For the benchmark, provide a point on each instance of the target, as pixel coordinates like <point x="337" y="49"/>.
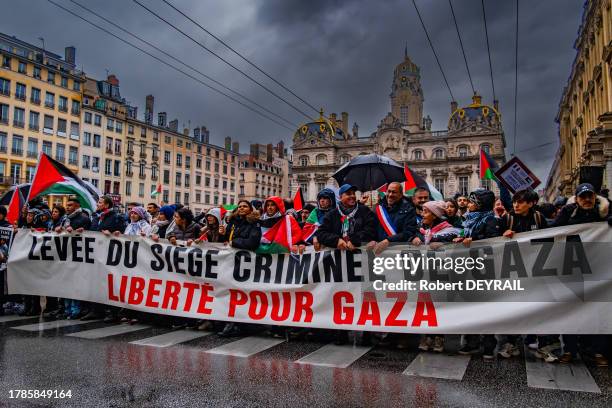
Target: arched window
<point x="438" y="153"/>
<point x="303" y="160"/>
<point x="418" y="155"/>
<point x="345" y="158"/>
<point x="321" y="160"/>
<point x="486" y="148"/>
<point x="463" y="151"/>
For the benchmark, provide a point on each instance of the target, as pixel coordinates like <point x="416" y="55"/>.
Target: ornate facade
<point x="448" y="159"/>
<point x="585" y="110"/>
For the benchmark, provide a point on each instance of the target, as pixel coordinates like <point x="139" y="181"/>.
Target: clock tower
<point x="407" y="94"/>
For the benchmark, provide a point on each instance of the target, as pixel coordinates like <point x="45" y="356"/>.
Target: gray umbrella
<point x="370" y="171"/>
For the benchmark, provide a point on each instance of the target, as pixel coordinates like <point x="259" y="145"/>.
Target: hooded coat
<point x="243" y="232"/>
<point x="572" y="214"/>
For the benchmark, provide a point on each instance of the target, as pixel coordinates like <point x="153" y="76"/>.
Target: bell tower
<point x="407" y="94"/>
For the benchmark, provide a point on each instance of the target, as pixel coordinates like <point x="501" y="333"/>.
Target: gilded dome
<point x="474" y="113"/>
<point x="321" y="127"/>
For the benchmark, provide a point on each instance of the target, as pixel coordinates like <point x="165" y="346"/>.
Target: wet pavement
<point x="151" y="366"/>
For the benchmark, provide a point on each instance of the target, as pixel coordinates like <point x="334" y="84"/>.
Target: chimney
<point x="70" y="55"/>
<point x="454" y="106"/>
<point x="149" y="101"/>
<point x="228" y="143"/>
<point x="196" y="134"/>
<point x="186" y="131"/>
<point x="174" y="125"/>
<point x="205" y="135"/>
<point x="355" y="130"/>
<point x="112" y="79"/>
<point x="255" y="150"/>
<point x="280" y="147"/>
<point x="161" y="119"/>
<point x="269" y="151"/>
<point x="344" y="122"/>
<point x="236" y="147"/>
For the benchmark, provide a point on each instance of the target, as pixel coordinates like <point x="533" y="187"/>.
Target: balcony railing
<point x="17" y="152"/>
<point x="32" y="154"/>
<point x="18" y="123"/>
<point x="20" y="96"/>
<point x="34" y="127"/>
<point x="35" y="101"/>
<point x="50" y="105"/>
<point x="62" y="108"/>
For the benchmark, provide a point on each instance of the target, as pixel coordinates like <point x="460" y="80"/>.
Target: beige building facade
<point x="264" y="172"/>
<point x="585" y="109"/>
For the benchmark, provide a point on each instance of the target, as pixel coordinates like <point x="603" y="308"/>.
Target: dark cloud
<point x="338" y="55"/>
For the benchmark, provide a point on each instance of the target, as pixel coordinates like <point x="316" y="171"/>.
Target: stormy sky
<point x="334" y="54"/>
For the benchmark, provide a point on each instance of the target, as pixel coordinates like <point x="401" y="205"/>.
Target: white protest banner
<point x="549" y="281"/>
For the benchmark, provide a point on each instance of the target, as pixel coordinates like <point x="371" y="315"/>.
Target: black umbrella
<point x="6" y="197"/>
<point x="370" y="171"/>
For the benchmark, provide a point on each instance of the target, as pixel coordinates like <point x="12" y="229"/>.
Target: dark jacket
<point x="403" y="218"/>
<point x="110" y="220"/>
<point x="488" y="229"/>
<point x="362" y="232"/>
<point x="534" y="220"/>
<point x="456" y="221"/>
<point x="78" y="219"/>
<point x="572" y="214"/>
<point x="246" y="232"/>
<point x="192" y="231"/>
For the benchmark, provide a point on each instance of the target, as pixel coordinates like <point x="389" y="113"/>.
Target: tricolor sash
<point x="385" y="220"/>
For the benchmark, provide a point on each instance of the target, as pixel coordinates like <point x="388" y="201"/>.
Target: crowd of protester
<point x="340" y="221"/>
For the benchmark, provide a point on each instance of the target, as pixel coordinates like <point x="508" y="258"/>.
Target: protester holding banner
<point x="350" y="225"/>
<point x="523" y="217"/>
<point x="57" y="216"/>
<point x="76" y="219"/>
<point x="584" y="207"/>
<point x="499" y="208"/>
<point x="106" y="219"/>
<point x="304" y="214"/>
<point x="162" y="222"/>
<point x="280" y="231"/>
<point x="153" y="210"/>
<point x="326" y="201"/>
<point x="3" y="221"/>
<point x="242" y="230"/>
<point x="480" y="223"/>
<point x="186" y="228"/>
<point x="210" y="232"/>
<point x="396" y="219"/>
<point x="435" y="229"/>
<point x="138" y="223"/>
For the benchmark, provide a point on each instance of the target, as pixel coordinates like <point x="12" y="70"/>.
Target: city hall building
<point x="448" y="159"/>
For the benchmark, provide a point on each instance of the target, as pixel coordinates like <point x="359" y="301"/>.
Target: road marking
<point x="554" y="376"/>
<point x="246" y="347"/>
<point x="438" y="365"/>
<point x="171" y="338"/>
<point x="4" y="319"/>
<point x="108" y="331"/>
<point x="332" y="355"/>
<point x="56" y="324"/>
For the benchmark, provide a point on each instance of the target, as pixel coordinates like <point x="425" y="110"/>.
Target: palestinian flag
<point x="50" y="172"/>
<point x="225" y="208"/>
<point x="65" y="188"/>
<point x="157" y="191"/>
<point x="281" y="236"/>
<point x="488" y="167"/>
<point x="298" y="200"/>
<point x="15" y="205"/>
<point x="382" y="190"/>
<point x="311" y="225"/>
<point x="414" y="181"/>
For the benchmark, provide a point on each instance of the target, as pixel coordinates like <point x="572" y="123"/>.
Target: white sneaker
<point x="438" y="344"/>
<point x="533" y="346"/>
<point x="425" y="343"/>
<point x="509" y="350"/>
<point x="547" y="353"/>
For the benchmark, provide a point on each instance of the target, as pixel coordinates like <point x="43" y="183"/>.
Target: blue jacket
<point x="403" y="218"/>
